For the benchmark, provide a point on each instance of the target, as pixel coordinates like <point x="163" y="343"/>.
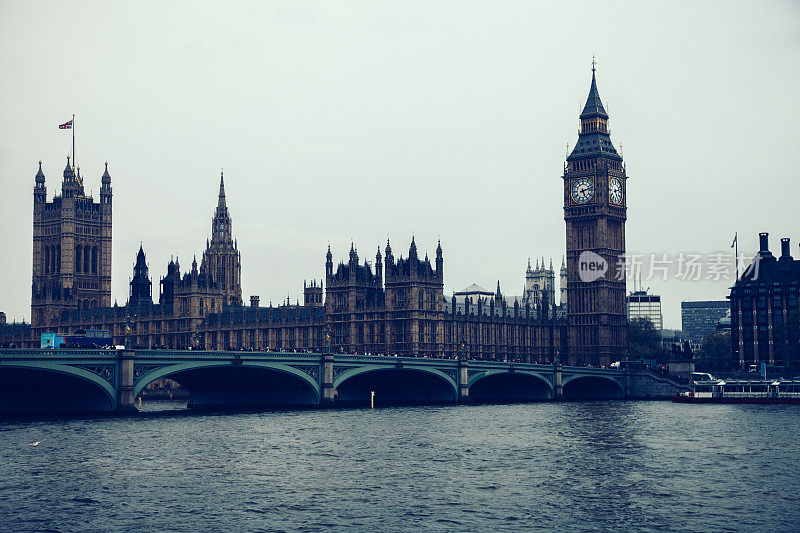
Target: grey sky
<point x="340" y="120"/>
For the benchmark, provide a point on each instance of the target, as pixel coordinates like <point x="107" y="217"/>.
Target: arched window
<point x="86" y="257"/>
<point x="86" y="304"/>
<point x="58" y="257"/>
<point x="78" y="258"/>
<point x="94" y="304"/>
<point x="46" y="259"/>
<point x="94" y="260"/>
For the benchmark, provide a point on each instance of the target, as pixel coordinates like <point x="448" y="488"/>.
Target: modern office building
<point x="699" y="319"/>
<point x="644" y="305"/>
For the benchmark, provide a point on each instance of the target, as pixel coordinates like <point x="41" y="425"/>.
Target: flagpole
<point x="736" y="241"/>
<point x="74" y="164"/>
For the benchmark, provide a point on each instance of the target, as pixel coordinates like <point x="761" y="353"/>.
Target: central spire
<point x="594" y="106"/>
<point x="221" y="202"/>
<point x="594" y="136"/>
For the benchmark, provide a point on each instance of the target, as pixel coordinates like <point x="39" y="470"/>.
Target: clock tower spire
<point x="595" y="214"/>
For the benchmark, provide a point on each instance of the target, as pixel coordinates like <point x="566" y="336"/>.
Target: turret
<point x="379" y="266"/>
<point x="412" y="250"/>
<point x="168" y="283"/>
<point x="388" y="260"/>
<point x="69" y="186"/>
<point x="39" y="190"/>
<point x="140" y="285"/>
<point x="329" y="264"/>
<point x="353" y="255"/>
<point x="439" y="261"/>
<point x="105" y="187"/>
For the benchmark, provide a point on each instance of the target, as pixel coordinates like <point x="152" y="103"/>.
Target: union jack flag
<point x="65" y="126"/>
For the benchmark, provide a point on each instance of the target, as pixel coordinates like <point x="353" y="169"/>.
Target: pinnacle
<point x="594" y="106"/>
<point x="221" y="202"/>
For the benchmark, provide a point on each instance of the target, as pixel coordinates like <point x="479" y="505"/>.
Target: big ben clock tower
<point x="595" y="213"/>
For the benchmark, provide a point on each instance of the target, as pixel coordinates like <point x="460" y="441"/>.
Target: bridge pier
<point x="463" y="381"/>
<point x="558" y="388"/>
<point x="628" y="384"/>
<point x="125" y="402"/>
<point x="328" y="392"/>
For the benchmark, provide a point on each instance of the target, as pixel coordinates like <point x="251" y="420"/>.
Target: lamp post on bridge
<point x="127" y="340"/>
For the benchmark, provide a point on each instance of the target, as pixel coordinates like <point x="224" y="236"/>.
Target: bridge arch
<point x="505" y="386"/>
<point x="592" y="387"/>
<point x="249" y="384"/>
<point x="406" y="384"/>
<point x="54" y="387"/>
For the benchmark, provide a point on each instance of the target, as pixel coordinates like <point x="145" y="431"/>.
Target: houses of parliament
<point x="394" y="305"/>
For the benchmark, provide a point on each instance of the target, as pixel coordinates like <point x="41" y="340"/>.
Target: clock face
<point x="615" y="191"/>
<point x="582" y="190"/>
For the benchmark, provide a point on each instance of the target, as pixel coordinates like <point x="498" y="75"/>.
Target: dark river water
<point x="584" y="466"/>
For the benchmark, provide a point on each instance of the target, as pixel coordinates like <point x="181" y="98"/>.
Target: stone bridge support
<point x="125" y="402"/>
<point x="328" y="392"/>
<point x="463" y="381"/>
<point x="558" y="388"/>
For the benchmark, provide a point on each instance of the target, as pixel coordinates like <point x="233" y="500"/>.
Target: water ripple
<point x="590" y="466"/>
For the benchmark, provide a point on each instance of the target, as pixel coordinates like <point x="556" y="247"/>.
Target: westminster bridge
<point x="111" y="380"/>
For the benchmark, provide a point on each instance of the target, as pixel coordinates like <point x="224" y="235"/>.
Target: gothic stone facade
<point x="397" y="308"/>
<point x="595" y="213"/>
<point x="71" y="248"/>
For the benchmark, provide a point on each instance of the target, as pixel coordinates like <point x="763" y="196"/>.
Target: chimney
<point x="785" y="255"/>
<point x="764" y="240"/>
<point x="254" y="301"/>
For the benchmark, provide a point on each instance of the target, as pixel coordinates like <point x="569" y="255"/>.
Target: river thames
<point x="590" y="466"/>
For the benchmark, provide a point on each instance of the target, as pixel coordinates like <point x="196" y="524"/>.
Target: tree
<point x="644" y="340"/>
<point x="715" y="352"/>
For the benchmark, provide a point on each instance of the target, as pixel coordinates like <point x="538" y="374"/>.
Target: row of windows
<point x="86" y="259"/>
<point x="593" y="126"/>
<point x="83" y="230"/>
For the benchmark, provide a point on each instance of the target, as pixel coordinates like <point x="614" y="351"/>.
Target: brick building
<point x="764" y="309"/>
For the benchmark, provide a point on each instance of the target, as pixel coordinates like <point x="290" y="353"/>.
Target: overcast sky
<point x="361" y="120"/>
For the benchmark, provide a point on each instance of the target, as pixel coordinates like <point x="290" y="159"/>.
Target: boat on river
<point x="741" y="391"/>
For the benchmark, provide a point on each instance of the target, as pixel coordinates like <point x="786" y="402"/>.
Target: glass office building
<point x="643" y="305"/>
